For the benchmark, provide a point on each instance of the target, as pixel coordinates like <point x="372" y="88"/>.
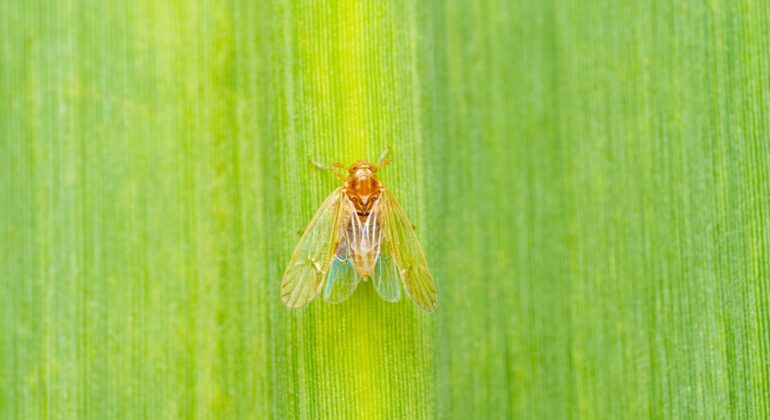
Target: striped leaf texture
<point x="589" y="180"/>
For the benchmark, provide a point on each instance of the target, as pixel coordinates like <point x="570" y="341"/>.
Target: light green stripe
<point x="349" y="100"/>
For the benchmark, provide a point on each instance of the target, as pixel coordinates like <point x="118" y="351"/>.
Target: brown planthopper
<point x="360" y="232"/>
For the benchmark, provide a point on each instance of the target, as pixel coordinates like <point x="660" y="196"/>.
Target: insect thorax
<point x="363" y="189"/>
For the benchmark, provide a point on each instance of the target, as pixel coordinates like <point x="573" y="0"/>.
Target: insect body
<point x="359" y="233"/>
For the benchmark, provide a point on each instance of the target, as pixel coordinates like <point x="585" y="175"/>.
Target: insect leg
<point x="382" y="162"/>
<point x="329" y="168"/>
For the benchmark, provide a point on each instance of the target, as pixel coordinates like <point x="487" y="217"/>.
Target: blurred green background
<point x="589" y="179"/>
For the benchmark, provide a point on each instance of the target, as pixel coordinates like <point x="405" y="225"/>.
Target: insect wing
<point x="387" y="277"/>
<point x="343" y="277"/>
<point x="364" y="238"/>
<point x="405" y="249"/>
<point x="310" y="263"/>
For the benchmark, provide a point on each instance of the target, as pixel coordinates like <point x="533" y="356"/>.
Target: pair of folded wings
<point x="315" y="266"/>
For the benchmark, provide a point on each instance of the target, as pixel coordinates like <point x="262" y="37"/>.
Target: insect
<point x="360" y="232"/>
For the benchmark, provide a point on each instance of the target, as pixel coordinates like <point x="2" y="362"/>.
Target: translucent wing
<point x="364" y="239"/>
<point x="405" y="249"/>
<point x="309" y="265"/>
<point x="387" y="277"/>
<point x="343" y="277"/>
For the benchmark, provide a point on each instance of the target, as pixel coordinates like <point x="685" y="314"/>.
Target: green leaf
<point x="588" y="179"/>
